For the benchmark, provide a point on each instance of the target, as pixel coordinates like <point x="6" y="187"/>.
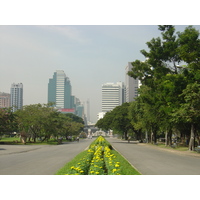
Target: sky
<point x="90" y="56"/>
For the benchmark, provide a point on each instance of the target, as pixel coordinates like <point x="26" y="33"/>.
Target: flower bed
<point x="99" y="159"/>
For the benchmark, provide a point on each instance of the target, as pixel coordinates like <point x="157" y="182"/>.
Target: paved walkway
<point x="152" y="160"/>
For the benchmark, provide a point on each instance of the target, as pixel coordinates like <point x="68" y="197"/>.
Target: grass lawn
<point x="16" y="141"/>
<point x="179" y="148"/>
<point x="67" y="166"/>
<point x="126" y="168"/>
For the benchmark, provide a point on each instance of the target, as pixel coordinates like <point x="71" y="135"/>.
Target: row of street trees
<point x="169" y="98"/>
<point x="40" y="121"/>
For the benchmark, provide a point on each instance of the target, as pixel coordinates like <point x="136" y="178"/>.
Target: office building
<point x="60" y="93"/>
<point x="131" y="85"/>
<point x="16" y="96"/>
<point x="112" y="95"/>
<point x="80" y="111"/>
<point x="59" y="90"/>
<point x="100" y="115"/>
<point x="4" y="100"/>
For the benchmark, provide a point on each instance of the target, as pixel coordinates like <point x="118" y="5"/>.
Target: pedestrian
<point x="77" y="139"/>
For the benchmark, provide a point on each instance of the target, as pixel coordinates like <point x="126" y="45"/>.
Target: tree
<point x="75" y="118"/>
<point x="189" y="46"/>
<point x="136" y="116"/>
<point x="190" y="110"/>
<point x="162" y="81"/>
<point x="7" y="121"/>
<point x="116" y="119"/>
<point x="105" y="123"/>
<point x="39" y="120"/>
<point x="121" y="121"/>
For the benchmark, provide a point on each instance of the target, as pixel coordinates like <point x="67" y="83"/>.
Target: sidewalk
<point x="153" y="160"/>
<point x="188" y="153"/>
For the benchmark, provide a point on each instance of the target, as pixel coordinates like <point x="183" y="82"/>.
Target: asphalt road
<point x="48" y="159"/>
<point x="38" y="159"/>
<point x="156" y="161"/>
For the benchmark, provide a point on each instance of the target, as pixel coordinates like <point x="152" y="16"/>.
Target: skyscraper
<point x="59" y="90"/>
<point x="112" y="95"/>
<point x="16" y="96"/>
<point x="131" y="85"/>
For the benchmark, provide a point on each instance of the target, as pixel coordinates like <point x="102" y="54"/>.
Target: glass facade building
<point x="59" y="90"/>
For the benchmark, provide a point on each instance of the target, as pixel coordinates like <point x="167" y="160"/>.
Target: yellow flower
<point x="116" y="165"/>
<point x="114" y="170"/>
<point x="97" y="172"/>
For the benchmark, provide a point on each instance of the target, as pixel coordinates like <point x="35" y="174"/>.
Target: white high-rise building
<point x="60" y="88"/>
<point x="131" y="84"/>
<point x="112" y="95"/>
<point x="100" y="115"/>
<point x="16" y="96"/>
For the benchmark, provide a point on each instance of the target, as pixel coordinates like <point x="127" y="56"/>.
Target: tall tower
<point x="112" y="95"/>
<point x="131" y="85"/>
<point x="16" y="96"/>
<point x="59" y="90"/>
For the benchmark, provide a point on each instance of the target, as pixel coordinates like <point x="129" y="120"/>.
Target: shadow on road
<point x="2" y="149"/>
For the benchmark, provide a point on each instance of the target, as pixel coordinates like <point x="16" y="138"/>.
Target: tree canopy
<point x="39" y="121"/>
<point x="168" y="101"/>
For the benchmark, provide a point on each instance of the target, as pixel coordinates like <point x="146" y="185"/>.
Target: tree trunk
<point x="170" y="138"/>
<point x="166" y="138"/>
<point x="140" y="135"/>
<point x="44" y="139"/>
<point x="146" y="136"/>
<point x="192" y="138"/>
<point x="23" y="139"/>
<point x="154" y="137"/>
<point x="198" y="140"/>
<point x="151" y="137"/>
<point x="34" y="139"/>
<point x="182" y="138"/>
<point x="125" y="135"/>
